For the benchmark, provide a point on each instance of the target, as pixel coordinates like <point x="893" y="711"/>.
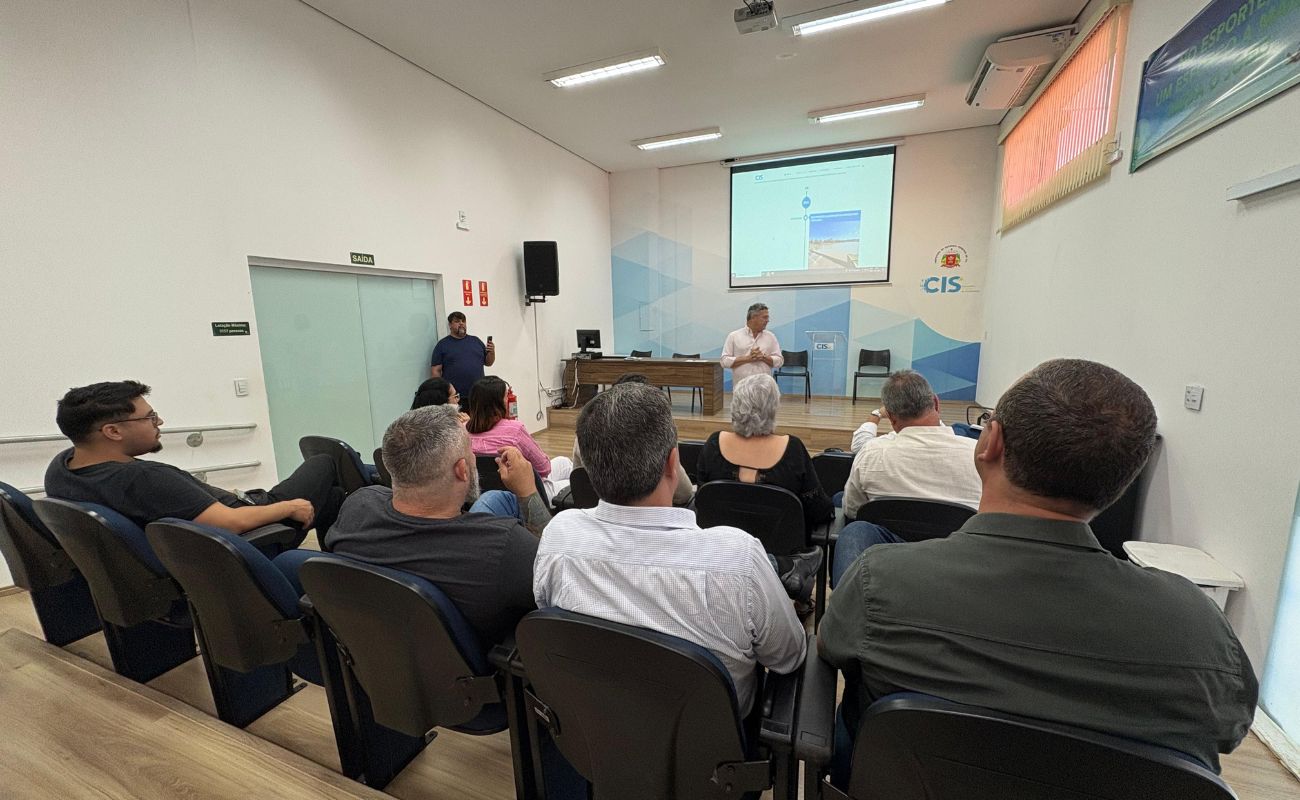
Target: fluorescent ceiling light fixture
<point x="674" y="139"/>
<point x="607" y="68"/>
<point x="867" y="109"/>
<point x="844" y="14"/>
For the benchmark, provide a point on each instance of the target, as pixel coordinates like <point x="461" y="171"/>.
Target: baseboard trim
<point x="1275" y="739"/>
<point x="8" y="590"/>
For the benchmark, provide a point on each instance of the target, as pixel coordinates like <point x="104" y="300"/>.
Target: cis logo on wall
<point x="951" y="257"/>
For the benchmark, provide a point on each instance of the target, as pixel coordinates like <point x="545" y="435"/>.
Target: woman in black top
<point x="752" y="453"/>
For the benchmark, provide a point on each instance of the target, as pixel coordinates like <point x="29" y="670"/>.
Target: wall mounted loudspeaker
<point x="541" y="270"/>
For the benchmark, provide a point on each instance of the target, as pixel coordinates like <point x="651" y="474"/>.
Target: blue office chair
<point x="643" y="715"/>
<point x="409" y="662"/>
<point x="38" y="564"/>
<point x="146" y="623"/>
<point x="917" y="747"/>
<point x="245" y="612"/>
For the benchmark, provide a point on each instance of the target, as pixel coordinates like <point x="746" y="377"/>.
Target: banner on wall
<point x="1232" y="56"/>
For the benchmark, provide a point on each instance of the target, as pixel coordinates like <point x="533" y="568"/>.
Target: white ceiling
<point x="758" y="87"/>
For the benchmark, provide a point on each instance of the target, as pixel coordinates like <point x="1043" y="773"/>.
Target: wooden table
<point x="73" y="729"/>
<point x="702" y="372"/>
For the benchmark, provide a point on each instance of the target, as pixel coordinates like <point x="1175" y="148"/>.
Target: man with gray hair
<point x="753" y="349"/>
<point x="482" y="559"/>
<point x="636" y="560"/>
<point x="922" y="457"/>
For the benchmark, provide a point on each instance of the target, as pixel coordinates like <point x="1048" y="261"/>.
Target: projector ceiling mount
<point x="756" y="16"/>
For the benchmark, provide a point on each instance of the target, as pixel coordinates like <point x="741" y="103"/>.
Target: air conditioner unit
<point x="1013" y="66"/>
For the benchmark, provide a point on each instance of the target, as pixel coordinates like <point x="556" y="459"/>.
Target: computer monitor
<point x="588" y="339"/>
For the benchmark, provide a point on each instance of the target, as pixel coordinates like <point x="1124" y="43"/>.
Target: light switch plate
<point x="1192" y="397"/>
<point x="241" y="387"/>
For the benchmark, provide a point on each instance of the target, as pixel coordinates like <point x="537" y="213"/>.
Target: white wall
<point x="152" y="146"/>
<point x="1157" y="275"/>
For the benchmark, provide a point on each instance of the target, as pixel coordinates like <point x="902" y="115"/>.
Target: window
<point x="1062" y="141"/>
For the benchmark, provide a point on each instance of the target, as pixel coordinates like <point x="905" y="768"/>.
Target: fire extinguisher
<point x="512" y="403"/>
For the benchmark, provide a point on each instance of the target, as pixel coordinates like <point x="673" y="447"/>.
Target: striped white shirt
<point x="653" y="567"/>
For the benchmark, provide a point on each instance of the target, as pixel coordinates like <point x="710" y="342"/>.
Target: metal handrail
<point x="197" y="471"/>
<point x="56" y="437"/>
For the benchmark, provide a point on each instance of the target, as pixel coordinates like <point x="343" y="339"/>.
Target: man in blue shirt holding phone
<point x="460" y="358"/>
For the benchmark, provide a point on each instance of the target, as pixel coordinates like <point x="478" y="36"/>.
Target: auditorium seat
<point x="250" y="631"/>
<point x="689" y="452"/>
<point x="795" y="365"/>
<point x="146" y="623"/>
<point x="771" y="514"/>
<point x="353" y="472"/>
<point x="871" y="364"/>
<point x="916" y="747"/>
<point x="409" y="662"/>
<point x="489" y="477"/>
<point x="643" y="715"/>
<point x="915" y="519"/>
<point x="384" y="478"/>
<point x="38" y="564"/>
<point x="583" y="494"/>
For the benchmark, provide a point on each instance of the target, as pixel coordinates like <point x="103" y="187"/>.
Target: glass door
<point x="342" y="353"/>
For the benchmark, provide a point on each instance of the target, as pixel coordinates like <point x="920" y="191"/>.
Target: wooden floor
<point x="824" y="422"/>
<point x="44" y="734"/>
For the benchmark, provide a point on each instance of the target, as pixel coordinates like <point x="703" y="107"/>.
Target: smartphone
<point x="489" y="338"/>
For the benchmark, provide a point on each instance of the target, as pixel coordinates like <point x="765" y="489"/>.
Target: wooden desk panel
<point x="73" y="729"/>
<point x="704" y="373"/>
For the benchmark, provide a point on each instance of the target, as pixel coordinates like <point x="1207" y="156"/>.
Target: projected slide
<point x="817" y="220"/>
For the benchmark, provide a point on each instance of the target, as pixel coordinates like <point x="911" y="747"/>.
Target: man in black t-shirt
<point x="482" y="559"/>
<point x="111" y="423"/>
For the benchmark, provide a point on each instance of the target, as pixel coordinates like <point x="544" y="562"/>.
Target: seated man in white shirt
<point x="636" y="560"/>
<point x="753" y="349"/>
<point x="921" y="458"/>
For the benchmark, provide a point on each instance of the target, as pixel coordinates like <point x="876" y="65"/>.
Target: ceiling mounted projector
<point x="759" y="15"/>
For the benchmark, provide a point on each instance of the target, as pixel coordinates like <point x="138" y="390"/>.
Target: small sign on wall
<point x="467" y="289"/>
<point x="363" y="258"/>
<point x="231" y="329"/>
<point x="482" y="293"/>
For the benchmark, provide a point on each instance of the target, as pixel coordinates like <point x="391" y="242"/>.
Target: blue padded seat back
<point x="23" y="505"/>
<point x="288" y="563"/>
<point x="409" y="647"/>
<point x="639" y="713"/>
<point x="247" y="609"/>
<point x="129" y="534"/>
<point x="911" y="746"/>
<point x="130" y="585"/>
<point x="36" y="561"/>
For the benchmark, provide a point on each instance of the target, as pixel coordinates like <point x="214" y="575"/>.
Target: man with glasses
<point x="111" y="423"/>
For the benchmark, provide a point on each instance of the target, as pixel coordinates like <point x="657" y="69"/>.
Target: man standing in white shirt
<point x="921" y="458"/>
<point x="752" y="350"/>
<point x="636" y="560"/>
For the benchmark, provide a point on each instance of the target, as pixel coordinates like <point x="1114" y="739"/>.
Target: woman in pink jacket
<point x="490" y="429"/>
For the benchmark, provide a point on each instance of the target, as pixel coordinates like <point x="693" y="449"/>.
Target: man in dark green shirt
<point x="1022" y="611"/>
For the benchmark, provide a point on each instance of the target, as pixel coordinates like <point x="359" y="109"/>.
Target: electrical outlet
<point x="1192" y="396"/>
<point x="462" y="222"/>
<point x="241" y="387"/>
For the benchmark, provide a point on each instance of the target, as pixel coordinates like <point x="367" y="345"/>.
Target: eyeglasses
<point x="152" y="416"/>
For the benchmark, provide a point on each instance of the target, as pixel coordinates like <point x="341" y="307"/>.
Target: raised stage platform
<point x="824" y="422"/>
